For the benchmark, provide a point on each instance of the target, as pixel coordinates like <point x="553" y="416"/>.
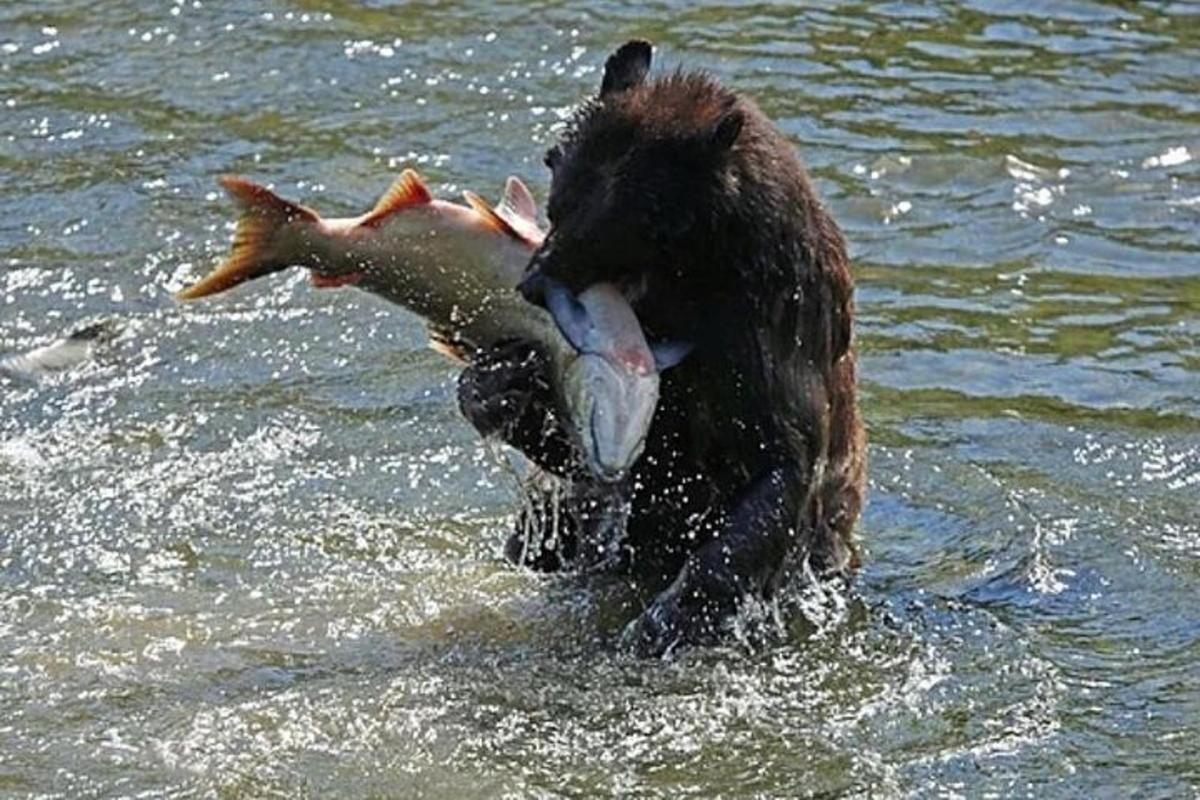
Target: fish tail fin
<point x="255" y="251"/>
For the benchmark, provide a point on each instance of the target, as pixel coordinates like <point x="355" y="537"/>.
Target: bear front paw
<point x="501" y="385"/>
<point x="685" y="614"/>
<point x="657" y="631"/>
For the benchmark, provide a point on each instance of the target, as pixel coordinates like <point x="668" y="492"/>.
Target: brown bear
<point x="687" y="197"/>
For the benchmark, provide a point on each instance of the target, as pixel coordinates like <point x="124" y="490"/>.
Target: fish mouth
<point x="599" y="468"/>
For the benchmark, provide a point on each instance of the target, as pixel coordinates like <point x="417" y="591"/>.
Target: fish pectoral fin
<point x="571" y="316"/>
<point x="670" y="352"/>
<point x="407" y="190"/>
<point x="254" y="252"/>
<point x="441" y="341"/>
<point x="489" y="216"/>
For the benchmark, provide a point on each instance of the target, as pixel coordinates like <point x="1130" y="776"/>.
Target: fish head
<point x="611" y="388"/>
<point x="600" y="321"/>
<point x="612" y="407"/>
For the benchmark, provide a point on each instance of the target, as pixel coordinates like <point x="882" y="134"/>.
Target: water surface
<point x="251" y="550"/>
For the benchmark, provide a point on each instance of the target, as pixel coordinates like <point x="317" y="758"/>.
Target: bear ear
<point x="627" y="67"/>
<point x="727" y="130"/>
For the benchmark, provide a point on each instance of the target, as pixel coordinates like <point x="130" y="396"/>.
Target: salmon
<point x="457" y="266"/>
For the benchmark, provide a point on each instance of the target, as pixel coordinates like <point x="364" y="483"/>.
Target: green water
<point x="252" y="551"/>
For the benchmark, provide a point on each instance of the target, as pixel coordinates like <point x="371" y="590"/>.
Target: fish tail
<point x="256" y="247"/>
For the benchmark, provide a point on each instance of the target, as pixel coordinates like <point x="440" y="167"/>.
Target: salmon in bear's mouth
<point x="456" y="266"/>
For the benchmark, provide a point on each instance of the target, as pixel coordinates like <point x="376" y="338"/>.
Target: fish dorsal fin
<point x="408" y="190"/>
<point x="518" y="200"/>
<point x="519" y="210"/>
<point x="490" y="217"/>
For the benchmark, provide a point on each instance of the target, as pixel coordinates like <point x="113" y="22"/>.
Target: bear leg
<point x="506" y="392"/>
<point x="743" y="559"/>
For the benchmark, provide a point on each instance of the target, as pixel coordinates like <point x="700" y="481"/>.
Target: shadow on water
<point x="248" y="548"/>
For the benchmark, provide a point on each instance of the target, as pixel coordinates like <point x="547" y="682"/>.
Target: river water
<point x="251" y="550"/>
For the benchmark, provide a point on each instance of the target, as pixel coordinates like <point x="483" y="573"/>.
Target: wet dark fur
<point x="682" y="192"/>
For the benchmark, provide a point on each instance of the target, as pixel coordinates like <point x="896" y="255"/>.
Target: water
<point x="251" y="550"/>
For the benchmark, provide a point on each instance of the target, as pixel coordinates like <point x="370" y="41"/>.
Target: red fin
<point x="490" y="217"/>
<point x="408" y="190"/>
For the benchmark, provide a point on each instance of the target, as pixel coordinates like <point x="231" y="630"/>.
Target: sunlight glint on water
<point x="250" y="549"/>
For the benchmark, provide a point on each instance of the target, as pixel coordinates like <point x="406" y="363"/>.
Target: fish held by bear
<point x="457" y="266"/>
